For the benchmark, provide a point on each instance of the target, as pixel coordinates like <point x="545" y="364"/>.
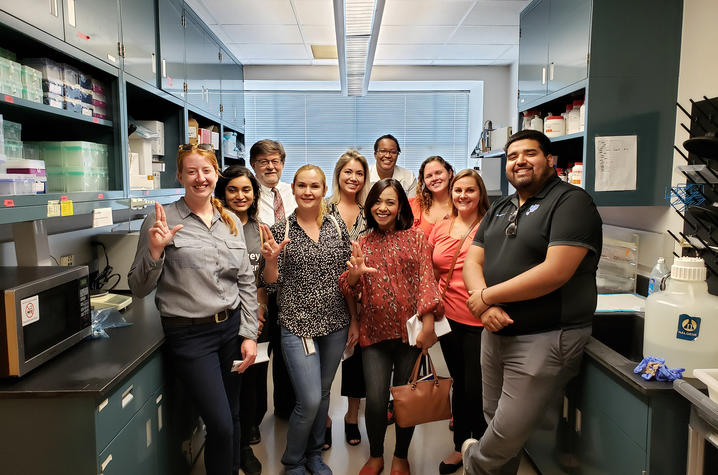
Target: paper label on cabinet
<point x="101" y="217"/>
<point x="30" y="309"/>
<point x="616" y="163"/>
<point x="53" y="208"/>
<point x="66" y="208"/>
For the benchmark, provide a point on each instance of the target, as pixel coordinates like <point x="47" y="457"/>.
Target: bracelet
<point x="482" y="297"/>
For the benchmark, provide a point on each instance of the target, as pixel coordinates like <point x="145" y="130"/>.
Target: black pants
<point x="252" y="399"/>
<point x="202" y="356"/>
<point x="353" y="375"/>
<point x="283" y="395"/>
<point x="462" y="351"/>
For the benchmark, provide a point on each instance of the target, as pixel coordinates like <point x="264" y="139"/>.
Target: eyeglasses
<point x="393" y="153"/>
<point x="264" y="163"/>
<point x="186" y="147"/>
<point x="512" y="228"/>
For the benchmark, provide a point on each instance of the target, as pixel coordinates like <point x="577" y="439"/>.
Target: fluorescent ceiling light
<point x="357" y="25"/>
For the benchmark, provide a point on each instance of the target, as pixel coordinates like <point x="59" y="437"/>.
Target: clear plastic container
<point x="50" y="70"/>
<point x="11" y="73"/>
<point x="13" y="150"/>
<point x="34" y="95"/>
<point x="27" y="167"/>
<point x="12" y="184"/>
<point x="55" y="180"/>
<point x="78" y="156"/>
<point x="70" y="76"/>
<point x="12" y="130"/>
<point x="80" y="181"/>
<point x="53" y="100"/>
<point x="659" y="273"/>
<point x="681" y="323"/>
<point x="31" y="77"/>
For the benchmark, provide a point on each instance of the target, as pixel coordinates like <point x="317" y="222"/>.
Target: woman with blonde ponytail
<point x="314" y="316"/>
<point x="192" y="253"/>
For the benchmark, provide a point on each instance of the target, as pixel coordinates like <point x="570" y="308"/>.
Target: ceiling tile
<point x="490" y="35"/>
<point x="463" y="62"/>
<point x="319" y="35"/>
<point x="271" y="52"/>
<point x="389" y="34"/>
<point x="471" y="52"/>
<point x="495" y="13"/>
<point x="315" y="12"/>
<point x="403" y="62"/>
<point x="424" y="12"/>
<point x="397" y="52"/>
<point x="263" y="33"/>
<point x="249" y="12"/>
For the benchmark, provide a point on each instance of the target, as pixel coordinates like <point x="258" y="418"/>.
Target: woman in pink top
<point x="462" y="346"/>
<point x="432" y="202"/>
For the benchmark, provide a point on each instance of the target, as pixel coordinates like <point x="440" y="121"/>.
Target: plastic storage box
<point x="13" y="150"/>
<point x="12" y="184"/>
<point x="12" y="130"/>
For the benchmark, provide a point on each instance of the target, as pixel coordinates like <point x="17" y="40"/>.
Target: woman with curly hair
<point x="432" y="202"/>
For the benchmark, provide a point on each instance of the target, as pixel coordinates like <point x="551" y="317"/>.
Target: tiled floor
<point x="431" y="442"/>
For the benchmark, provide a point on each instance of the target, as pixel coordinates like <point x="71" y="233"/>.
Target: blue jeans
<point x="203" y="355"/>
<point x="311" y="377"/>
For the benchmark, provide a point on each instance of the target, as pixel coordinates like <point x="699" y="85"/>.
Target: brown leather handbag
<point x="422" y="401"/>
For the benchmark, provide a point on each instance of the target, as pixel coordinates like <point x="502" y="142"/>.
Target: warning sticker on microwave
<point x="30" y="308"/>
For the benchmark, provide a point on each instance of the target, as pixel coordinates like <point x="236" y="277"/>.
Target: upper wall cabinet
<point x="533" y="52"/>
<point x="232" y="92"/>
<point x="553" y="47"/>
<point x="94" y="27"/>
<point x="172" y="47"/>
<point x="44" y="14"/>
<point x="139" y="43"/>
<point x="203" y="63"/>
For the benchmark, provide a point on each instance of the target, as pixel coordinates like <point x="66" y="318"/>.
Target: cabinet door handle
<point x="550" y="71"/>
<point x="148" y="431"/>
<point x="160" y="422"/>
<point x="53" y="7"/>
<point x="154" y="64"/>
<point x="104" y="464"/>
<point x="577" y="425"/>
<point x="164" y="68"/>
<point x="127" y="396"/>
<point x="71" y="12"/>
<point x="543" y="75"/>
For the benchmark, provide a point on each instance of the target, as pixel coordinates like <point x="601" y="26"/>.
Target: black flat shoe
<point x="352" y="434"/>
<point x="446" y="468"/>
<point x="327" y="438"/>
<point x="249" y="463"/>
<point x="254" y="436"/>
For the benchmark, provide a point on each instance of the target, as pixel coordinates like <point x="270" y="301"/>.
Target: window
<point x="317" y="127"/>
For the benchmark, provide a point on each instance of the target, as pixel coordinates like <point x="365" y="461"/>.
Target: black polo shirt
<point x="559" y="214"/>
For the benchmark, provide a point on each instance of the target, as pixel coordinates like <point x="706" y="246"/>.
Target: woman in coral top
<point x="432" y="202"/>
<point x="451" y="239"/>
<point x="390" y="272"/>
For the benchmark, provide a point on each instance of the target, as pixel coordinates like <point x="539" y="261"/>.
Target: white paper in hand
<point x="414" y="326"/>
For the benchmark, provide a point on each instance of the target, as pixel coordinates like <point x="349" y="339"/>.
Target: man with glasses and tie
<point x="532" y="277"/>
<point x="386" y="153"/>
<point x="276" y="202"/>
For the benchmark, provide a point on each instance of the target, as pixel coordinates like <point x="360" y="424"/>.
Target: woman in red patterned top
<point x="390" y="271"/>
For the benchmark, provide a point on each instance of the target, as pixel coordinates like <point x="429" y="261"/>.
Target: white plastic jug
<point x="681" y="322"/>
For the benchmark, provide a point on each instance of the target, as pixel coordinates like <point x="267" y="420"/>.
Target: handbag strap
<point x="456" y="254"/>
<point x="415" y="371"/>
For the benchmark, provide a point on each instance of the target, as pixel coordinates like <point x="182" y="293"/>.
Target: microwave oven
<point x="45" y="310"/>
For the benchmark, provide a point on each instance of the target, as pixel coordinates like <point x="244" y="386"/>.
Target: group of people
<point x="244" y="257"/>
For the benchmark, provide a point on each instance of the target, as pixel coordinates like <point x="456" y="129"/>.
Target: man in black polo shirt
<point x="532" y="277"/>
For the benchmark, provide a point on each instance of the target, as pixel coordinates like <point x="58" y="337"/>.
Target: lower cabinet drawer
<point x="134" y="450"/>
<point x="112" y="414"/>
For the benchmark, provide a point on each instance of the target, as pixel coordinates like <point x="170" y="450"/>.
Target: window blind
<point x="317" y="127"/>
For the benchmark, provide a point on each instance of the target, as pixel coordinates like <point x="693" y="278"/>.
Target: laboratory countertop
<point x="94" y="367"/>
<point x="622" y="367"/>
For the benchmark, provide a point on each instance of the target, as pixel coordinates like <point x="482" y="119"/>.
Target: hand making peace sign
<point x="160" y="234"/>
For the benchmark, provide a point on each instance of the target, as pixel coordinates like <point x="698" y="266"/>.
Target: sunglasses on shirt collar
<point x="512" y="228"/>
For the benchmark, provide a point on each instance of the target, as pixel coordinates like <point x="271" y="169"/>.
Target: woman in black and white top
<point x="313" y="313"/>
<point x="349" y="187"/>
<point x="239" y="191"/>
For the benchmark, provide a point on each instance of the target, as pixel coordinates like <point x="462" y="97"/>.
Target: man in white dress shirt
<point x="386" y="153"/>
<point x="267" y="160"/>
<point x="276" y="202"/>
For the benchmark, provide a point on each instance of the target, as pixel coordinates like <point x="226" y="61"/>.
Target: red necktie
<point x="278" y="206"/>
